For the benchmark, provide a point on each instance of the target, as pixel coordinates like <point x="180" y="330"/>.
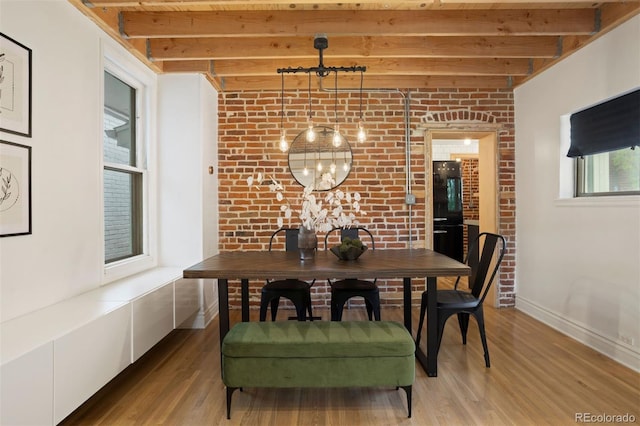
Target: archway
<point x="461" y="125"/>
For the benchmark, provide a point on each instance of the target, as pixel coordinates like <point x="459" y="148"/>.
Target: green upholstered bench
<point x="318" y="354"/>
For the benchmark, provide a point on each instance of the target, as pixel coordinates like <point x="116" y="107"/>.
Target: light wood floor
<point x="537" y="376"/>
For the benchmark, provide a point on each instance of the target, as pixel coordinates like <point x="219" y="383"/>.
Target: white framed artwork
<point x="15" y="87"/>
<point x="15" y="189"/>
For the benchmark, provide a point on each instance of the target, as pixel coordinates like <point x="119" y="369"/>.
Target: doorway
<point x="477" y="156"/>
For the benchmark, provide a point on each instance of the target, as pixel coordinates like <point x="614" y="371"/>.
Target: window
<point x="604" y="141"/>
<point x="127" y="113"/>
<point x="609" y="173"/>
<point x="123" y="172"/>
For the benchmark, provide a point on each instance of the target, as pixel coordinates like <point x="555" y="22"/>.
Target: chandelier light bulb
<point x="284" y="145"/>
<point x="319" y="166"/>
<point x="332" y="168"/>
<point x="305" y="171"/>
<point x="337" y="138"/>
<point x="311" y="134"/>
<point x="345" y="167"/>
<point x="362" y="136"/>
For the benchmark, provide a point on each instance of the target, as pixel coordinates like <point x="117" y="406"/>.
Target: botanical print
<point x="9" y="86"/>
<point x="14" y="87"/>
<point x="15" y="215"/>
<point x="9" y="188"/>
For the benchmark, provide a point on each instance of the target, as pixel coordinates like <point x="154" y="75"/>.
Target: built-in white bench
<point x="55" y="358"/>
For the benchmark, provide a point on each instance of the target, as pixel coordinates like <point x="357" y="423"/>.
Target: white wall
<point x="63" y="256"/>
<point x="578" y="261"/>
<point x="188" y="128"/>
<point x="443" y="149"/>
<point x="188" y="200"/>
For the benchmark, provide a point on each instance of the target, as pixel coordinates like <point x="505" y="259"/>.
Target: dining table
<point x="380" y="263"/>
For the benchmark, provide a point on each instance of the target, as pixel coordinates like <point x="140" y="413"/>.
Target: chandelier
<point x="320" y="42"/>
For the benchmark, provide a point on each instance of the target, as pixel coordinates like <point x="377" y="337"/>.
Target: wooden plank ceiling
<point x="239" y="45"/>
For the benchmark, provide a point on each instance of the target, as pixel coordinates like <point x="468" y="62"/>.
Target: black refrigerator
<point x="448" y="236"/>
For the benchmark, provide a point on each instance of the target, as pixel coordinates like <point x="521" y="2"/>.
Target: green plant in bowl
<point x="349" y="249"/>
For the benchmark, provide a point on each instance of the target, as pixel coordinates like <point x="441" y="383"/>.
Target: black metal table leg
<point x="223" y="307"/>
<point x="407" y="303"/>
<point x="244" y="291"/>
<point x="223" y="311"/>
<point x="432" y="329"/>
<point x="429" y="361"/>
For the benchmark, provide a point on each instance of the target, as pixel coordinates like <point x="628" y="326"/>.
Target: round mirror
<point x="315" y="152"/>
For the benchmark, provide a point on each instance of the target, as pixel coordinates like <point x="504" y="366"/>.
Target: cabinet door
<point x="152" y="319"/>
<point x="89" y="357"/>
<point x="27" y="388"/>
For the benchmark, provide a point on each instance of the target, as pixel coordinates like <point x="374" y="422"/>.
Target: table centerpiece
<point x="317" y="213"/>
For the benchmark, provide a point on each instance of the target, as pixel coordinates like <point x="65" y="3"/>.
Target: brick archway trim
<point x="460" y="115"/>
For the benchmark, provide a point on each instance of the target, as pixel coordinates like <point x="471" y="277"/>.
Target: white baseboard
<point x="210" y="313"/>
<point x="202" y="318"/>
<point x="618" y="351"/>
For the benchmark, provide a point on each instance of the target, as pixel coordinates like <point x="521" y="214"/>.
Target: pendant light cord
<point x="335" y="108"/>
<point x="282" y="105"/>
<point x="361" y="80"/>
<point x="309" y="93"/>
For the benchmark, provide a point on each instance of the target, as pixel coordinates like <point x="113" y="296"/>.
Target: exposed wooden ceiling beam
<point x="299" y="82"/>
<point x="292" y="49"/>
<point x="611" y="15"/>
<point x="375" y="66"/>
<point x="381" y="23"/>
<point x="239" y="44"/>
<point x="342" y="5"/>
<point x="244" y="3"/>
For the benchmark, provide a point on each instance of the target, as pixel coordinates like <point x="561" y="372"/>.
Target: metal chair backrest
<point x="493" y="249"/>
<point x="352" y="232"/>
<point x="291" y="238"/>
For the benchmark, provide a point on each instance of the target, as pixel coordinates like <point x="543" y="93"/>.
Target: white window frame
<point x="603" y="176"/>
<point x="131" y="71"/>
<point x="567" y="196"/>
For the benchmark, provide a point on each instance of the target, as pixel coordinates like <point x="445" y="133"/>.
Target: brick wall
<point x="470" y="189"/>
<point x="249" y="130"/>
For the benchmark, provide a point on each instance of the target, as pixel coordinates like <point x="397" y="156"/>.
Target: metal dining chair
<point x="343" y="290"/>
<point x="465" y="303"/>
<point x="297" y="291"/>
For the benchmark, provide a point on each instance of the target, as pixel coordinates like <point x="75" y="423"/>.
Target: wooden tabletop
<point x="402" y="263"/>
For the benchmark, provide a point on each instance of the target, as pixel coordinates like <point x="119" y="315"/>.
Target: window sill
<point x="604" y="201"/>
<point x="128" y="267"/>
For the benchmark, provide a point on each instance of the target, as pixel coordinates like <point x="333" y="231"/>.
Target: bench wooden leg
<point x="230" y="391"/>
<point x="407" y="389"/>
